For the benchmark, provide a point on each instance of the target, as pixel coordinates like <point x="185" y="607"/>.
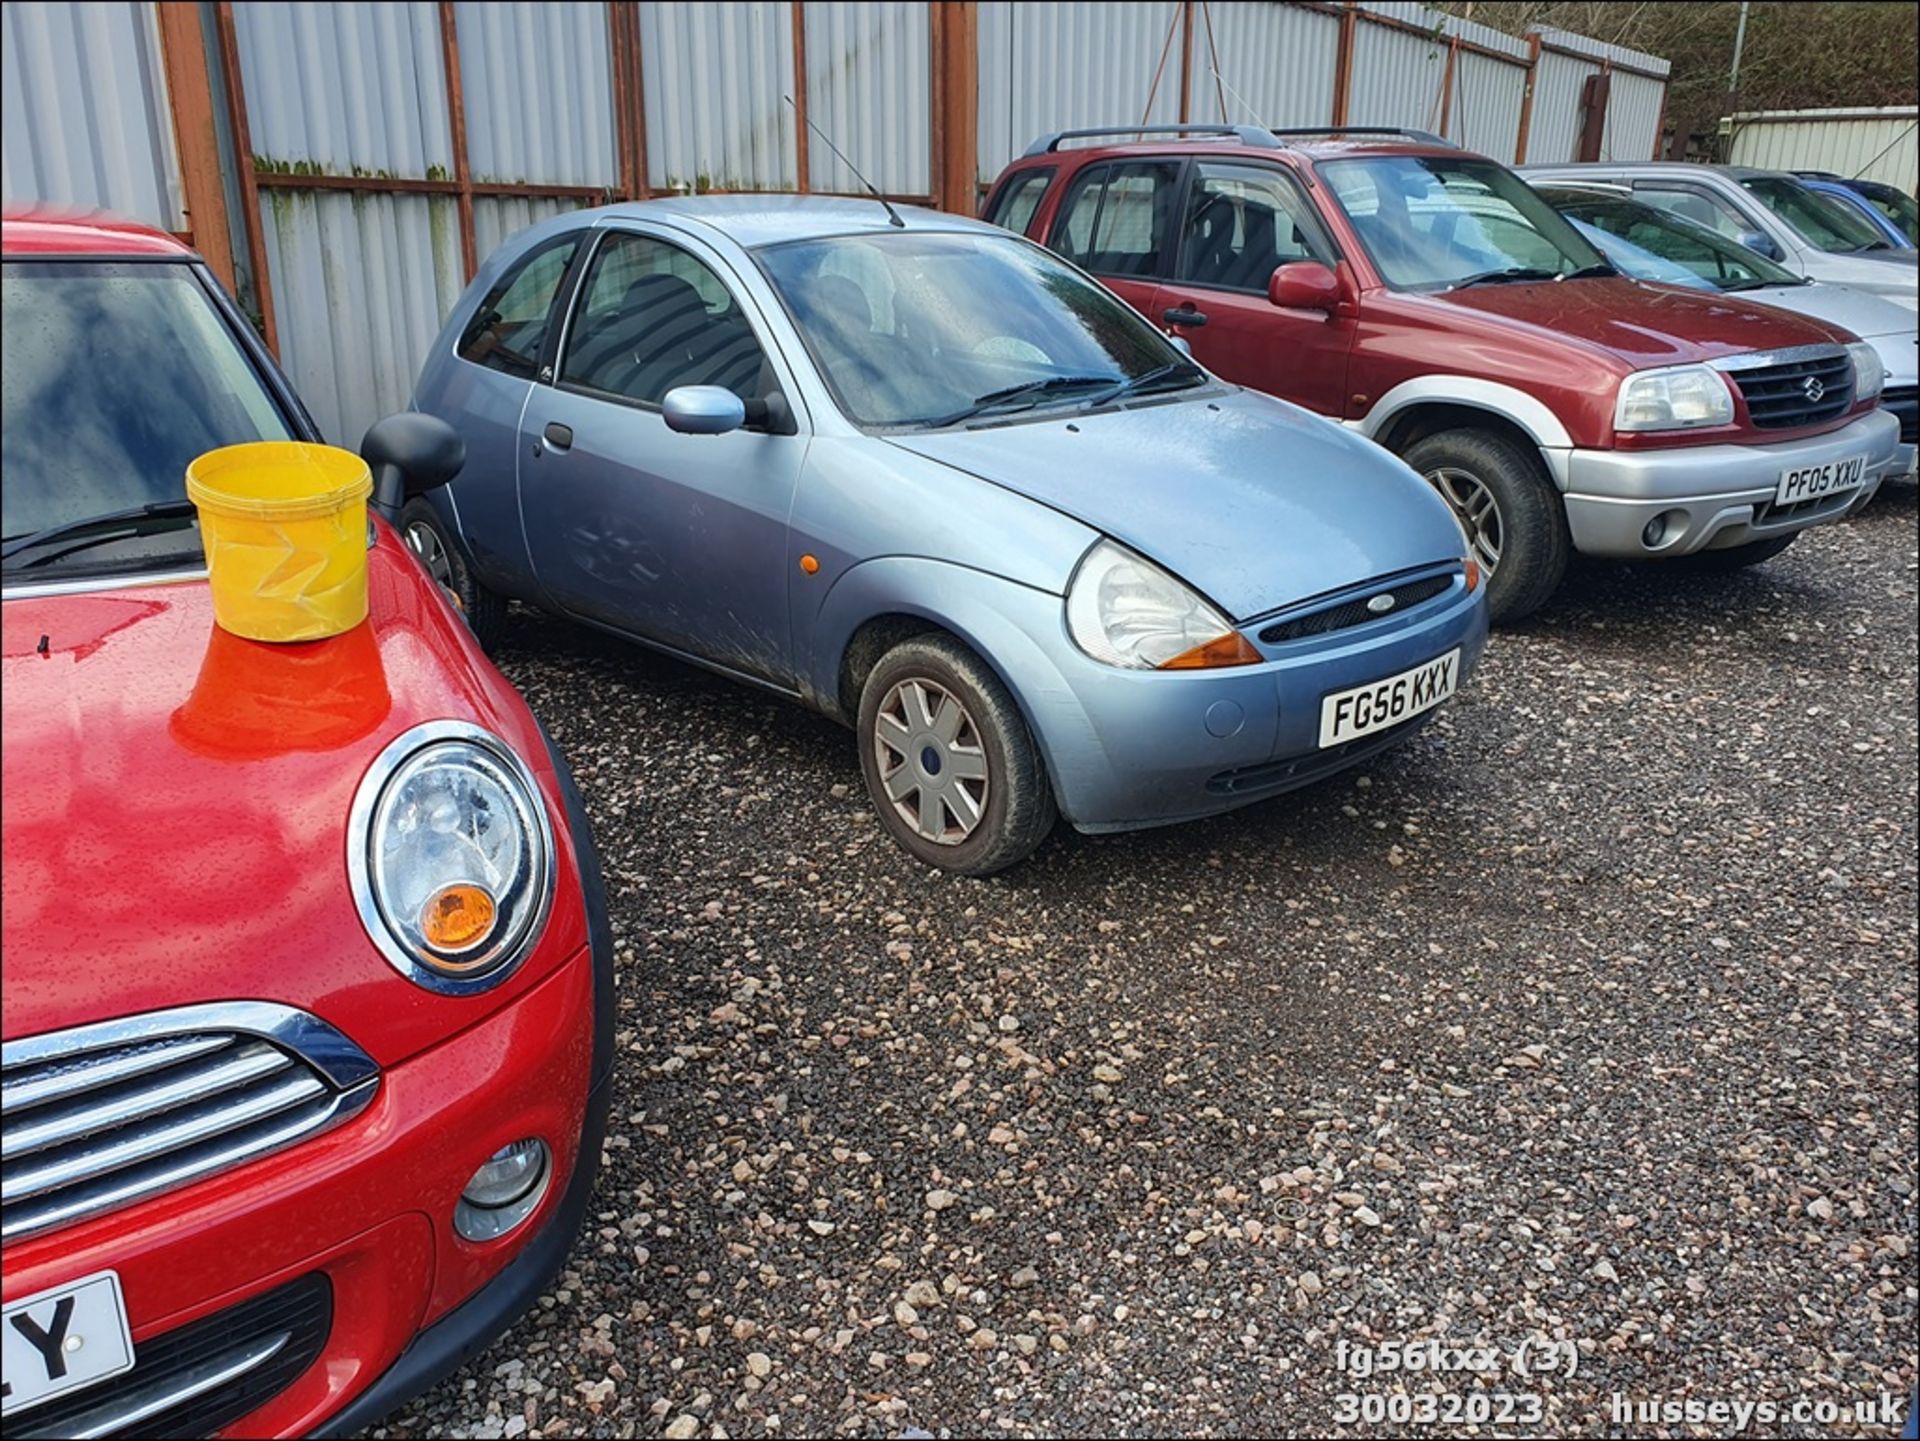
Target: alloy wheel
<point x="1475" y="508"/>
<point x="422" y="541"/>
<point x="933" y="764"/>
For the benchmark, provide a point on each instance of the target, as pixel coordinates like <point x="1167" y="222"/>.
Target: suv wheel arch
<point x="1442" y="402"/>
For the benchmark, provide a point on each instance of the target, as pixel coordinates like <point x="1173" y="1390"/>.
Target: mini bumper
<point x="1714" y="496"/>
<point x="1128" y="749"/>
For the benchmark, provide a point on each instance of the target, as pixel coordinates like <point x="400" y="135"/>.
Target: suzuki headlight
<point x="450" y="857"/>
<point x="1126" y="611"/>
<point x="1681" y="398"/>
<point x="1869" y="374"/>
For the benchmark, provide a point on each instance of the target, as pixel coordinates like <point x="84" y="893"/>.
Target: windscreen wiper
<point x="1591" y="272"/>
<point x="138" y="520"/>
<point x="1173" y="370"/>
<point x="1503" y="277"/>
<point x="994" y="399"/>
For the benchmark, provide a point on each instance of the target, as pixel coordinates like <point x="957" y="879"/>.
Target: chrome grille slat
<point x="109" y="1113"/>
<point x="143" y="1143"/>
<point x="129" y="1412"/>
<point x="125" y="1106"/>
<point x="55" y="1080"/>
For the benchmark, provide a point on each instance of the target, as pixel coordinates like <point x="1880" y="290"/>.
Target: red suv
<point x="1426" y="296"/>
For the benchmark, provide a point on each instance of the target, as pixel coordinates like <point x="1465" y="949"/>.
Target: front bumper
<point x="1129" y="749"/>
<point x="1714" y="496"/>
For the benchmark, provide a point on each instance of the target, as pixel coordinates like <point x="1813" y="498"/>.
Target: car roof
<point x="1314" y="145"/>
<point x="751" y="220"/>
<point x="45" y="231"/>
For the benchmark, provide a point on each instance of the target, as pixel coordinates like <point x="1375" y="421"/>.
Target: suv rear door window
<point x="1118" y="219"/>
<point x="509" y="330"/>
<point x="1013" y="207"/>
<point x="1243" y="223"/>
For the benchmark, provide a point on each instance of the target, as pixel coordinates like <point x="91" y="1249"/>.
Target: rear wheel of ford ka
<point x="949" y="764"/>
<point x="426" y="536"/>
<point x="1513" y="518"/>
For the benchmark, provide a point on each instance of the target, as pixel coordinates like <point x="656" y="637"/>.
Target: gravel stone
<point x="1617" y="1049"/>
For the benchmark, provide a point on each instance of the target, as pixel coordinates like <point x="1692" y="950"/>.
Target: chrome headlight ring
<point x="389" y="796"/>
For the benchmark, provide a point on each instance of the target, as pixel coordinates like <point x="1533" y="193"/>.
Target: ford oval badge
<point x="1382" y="603"/>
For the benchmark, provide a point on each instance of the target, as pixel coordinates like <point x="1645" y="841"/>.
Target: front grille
<point x="1904" y="402"/>
<point x="1406" y="596"/>
<point x="1815" y="385"/>
<point x="1773" y="513"/>
<point x="195" y="1379"/>
<point x="104" y="1115"/>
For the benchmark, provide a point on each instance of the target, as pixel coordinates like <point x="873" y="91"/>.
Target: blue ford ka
<point x="921" y="475"/>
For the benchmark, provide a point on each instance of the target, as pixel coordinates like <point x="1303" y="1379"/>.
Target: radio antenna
<point x="893" y="216"/>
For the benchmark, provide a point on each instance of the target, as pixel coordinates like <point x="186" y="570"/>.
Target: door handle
<point x="558" y="436"/>
<point x="1184" y="315"/>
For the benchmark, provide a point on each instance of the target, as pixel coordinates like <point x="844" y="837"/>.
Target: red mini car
<point x="286" y="1138"/>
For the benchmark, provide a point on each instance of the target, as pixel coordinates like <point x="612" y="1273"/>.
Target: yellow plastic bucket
<point x="284" y="526"/>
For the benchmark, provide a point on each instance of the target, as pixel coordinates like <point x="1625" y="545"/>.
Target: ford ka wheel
<point x="949" y="764"/>
<point x="440" y="556"/>
<point x="1514" y="520"/>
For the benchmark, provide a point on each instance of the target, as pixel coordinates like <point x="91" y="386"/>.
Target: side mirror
<point x="410" y="454"/>
<point x="1761" y="241"/>
<point x="1304" y="285"/>
<point x="703" y="410"/>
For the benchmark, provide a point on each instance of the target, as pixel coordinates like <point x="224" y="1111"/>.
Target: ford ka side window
<point x="651" y="317"/>
<point x="509" y="330"/>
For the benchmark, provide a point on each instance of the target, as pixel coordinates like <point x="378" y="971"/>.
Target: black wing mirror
<point x="410" y="454"/>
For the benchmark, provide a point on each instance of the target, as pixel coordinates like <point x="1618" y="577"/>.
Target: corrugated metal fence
<point x="1879" y="144"/>
<point x="364" y="156"/>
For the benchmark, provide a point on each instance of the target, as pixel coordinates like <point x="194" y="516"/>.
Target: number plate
<point x="1810" y="482"/>
<point x="62" y="1340"/>
<point x="1348" y="714"/>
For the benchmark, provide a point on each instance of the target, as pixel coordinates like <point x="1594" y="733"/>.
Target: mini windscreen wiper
<point x="994" y="399"/>
<point x="1182" y="371"/>
<point x="1503" y="277"/>
<point x="146" y="519"/>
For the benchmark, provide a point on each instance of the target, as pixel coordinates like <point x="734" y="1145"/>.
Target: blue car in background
<point x="1861" y="202"/>
<point x="926" y="477"/>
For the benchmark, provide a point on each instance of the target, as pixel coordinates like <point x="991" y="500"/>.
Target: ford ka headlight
<point x="450" y="857"/>
<point x="1869" y="374"/>
<point x="1682" y="397"/>
<point x="1124" y="610"/>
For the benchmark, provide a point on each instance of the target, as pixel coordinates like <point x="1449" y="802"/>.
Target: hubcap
<point x="933" y="766"/>
<point x="1474" y="507"/>
<point x="433" y="555"/>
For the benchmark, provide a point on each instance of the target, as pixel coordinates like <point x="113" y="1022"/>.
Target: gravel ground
<point x="1589" y="1015"/>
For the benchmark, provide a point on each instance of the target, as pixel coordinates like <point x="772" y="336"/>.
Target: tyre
<point x="949" y="764"/>
<point x="1738" y="557"/>
<point x="1511" y="513"/>
<point x="427" y="537"/>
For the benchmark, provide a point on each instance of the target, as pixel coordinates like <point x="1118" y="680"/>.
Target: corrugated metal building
<point x="1881" y="144"/>
<point x="346" y="166"/>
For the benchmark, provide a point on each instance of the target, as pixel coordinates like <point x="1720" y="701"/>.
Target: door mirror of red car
<point x="410" y="454"/>
<point x="1304" y="285"/>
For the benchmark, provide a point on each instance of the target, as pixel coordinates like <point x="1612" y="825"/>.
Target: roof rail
<point x="1246" y="134"/>
<point x="1425" y="137"/>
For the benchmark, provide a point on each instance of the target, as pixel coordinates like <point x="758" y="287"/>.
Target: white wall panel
<point x="1276" y="61"/>
<point x="538" y="84"/>
<point x="714" y="76"/>
<point x="869" y="88"/>
<point x="1879" y="145"/>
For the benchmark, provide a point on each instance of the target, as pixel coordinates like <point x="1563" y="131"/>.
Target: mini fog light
<point x="504" y="1191"/>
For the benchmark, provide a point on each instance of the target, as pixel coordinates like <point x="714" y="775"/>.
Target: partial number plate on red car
<point x="1349" y="714"/>
<point x="61" y="1340"/>
<point x="1810" y="482"/>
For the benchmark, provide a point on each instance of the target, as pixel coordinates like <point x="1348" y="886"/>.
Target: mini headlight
<point x="1126" y="611"/>
<point x="1679" y="398"/>
<point x="1869" y="373"/>
<point x="450" y="857"/>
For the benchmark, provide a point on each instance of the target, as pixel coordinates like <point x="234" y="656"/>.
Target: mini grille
<point x="1904" y="402"/>
<point x="1356" y="612"/>
<point x="1803" y="391"/>
<point x="197" y="1378"/>
<point x="102" y="1116"/>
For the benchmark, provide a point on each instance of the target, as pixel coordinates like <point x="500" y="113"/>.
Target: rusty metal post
<point x="955" y="62"/>
<point x="190" y="96"/>
<point x="1526" y="99"/>
<point x="1343" y="63"/>
<point x="1446" y="85"/>
<point x="1186" y="61"/>
<point x="629" y="99"/>
<point x="802" y="157"/>
<point x="249" y="184"/>
<point x="457" y="127"/>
